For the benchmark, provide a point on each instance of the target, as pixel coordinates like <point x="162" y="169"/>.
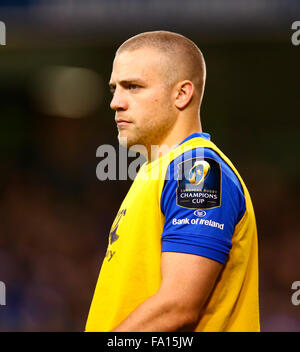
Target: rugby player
<point x="182" y="252"/>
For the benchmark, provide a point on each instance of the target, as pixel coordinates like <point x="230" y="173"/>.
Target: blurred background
<point x="55" y="215"/>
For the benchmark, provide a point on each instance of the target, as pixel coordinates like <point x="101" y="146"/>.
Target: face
<point x="142" y="98"/>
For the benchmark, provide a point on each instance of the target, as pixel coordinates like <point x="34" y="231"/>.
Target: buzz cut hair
<point x="185" y="60"/>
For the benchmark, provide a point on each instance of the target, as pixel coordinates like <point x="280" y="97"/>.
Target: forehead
<point x="144" y="63"/>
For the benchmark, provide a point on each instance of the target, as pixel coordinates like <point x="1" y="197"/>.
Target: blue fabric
<point x="202" y="231"/>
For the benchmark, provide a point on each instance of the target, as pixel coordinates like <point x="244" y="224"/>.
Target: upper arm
<point x="188" y="279"/>
<point x="197" y="235"/>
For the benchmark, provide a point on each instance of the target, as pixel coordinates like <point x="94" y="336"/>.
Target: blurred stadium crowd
<point x="54" y="223"/>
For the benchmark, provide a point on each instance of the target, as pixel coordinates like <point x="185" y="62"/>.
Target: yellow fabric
<point x="130" y="271"/>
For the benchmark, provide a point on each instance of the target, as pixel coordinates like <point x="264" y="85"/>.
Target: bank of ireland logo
<point x="200" y="213"/>
<point x="199" y="172"/>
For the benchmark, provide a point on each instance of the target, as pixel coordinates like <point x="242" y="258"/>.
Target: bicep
<point x="188" y="279"/>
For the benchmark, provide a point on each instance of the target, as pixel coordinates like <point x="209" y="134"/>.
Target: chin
<point x="123" y="140"/>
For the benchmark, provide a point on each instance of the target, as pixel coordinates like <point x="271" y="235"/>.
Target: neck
<point x="174" y="137"/>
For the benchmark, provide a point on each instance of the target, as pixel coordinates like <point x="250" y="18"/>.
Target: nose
<point x="118" y="102"/>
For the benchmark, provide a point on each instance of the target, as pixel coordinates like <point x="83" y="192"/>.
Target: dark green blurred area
<point x="55" y="215"/>
<point x="251" y="101"/>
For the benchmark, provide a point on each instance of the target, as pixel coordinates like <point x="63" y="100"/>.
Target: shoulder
<point x="202" y="201"/>
<point x="201" y="179"/>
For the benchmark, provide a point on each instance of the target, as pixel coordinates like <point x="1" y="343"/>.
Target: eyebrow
<point x="125" y="82"/>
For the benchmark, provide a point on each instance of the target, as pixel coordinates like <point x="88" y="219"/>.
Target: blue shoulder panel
<point x="202" y="201"/>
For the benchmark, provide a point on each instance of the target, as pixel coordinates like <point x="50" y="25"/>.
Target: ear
<point x="184" y="93"/>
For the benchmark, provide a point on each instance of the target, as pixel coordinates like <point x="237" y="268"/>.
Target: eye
<point x="133" y="86"/>
<point x="112" y="90"/>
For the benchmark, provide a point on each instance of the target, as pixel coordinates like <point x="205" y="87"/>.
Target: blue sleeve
<point x="202" y="202"/>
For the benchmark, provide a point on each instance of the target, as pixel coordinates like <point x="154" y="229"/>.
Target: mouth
<point x="121" y="122"/>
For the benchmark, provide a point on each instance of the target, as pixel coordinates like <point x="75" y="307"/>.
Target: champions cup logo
<point x="199" y="172"/>
<point x="198" y="183"/>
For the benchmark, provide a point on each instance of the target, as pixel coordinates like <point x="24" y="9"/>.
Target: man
<point x="182" y="253"/>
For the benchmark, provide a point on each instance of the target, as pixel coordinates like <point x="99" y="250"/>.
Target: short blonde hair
<point x="185" y="58"/>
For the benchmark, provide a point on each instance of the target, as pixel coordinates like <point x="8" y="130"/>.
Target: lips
<point x="122" y="122"/>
